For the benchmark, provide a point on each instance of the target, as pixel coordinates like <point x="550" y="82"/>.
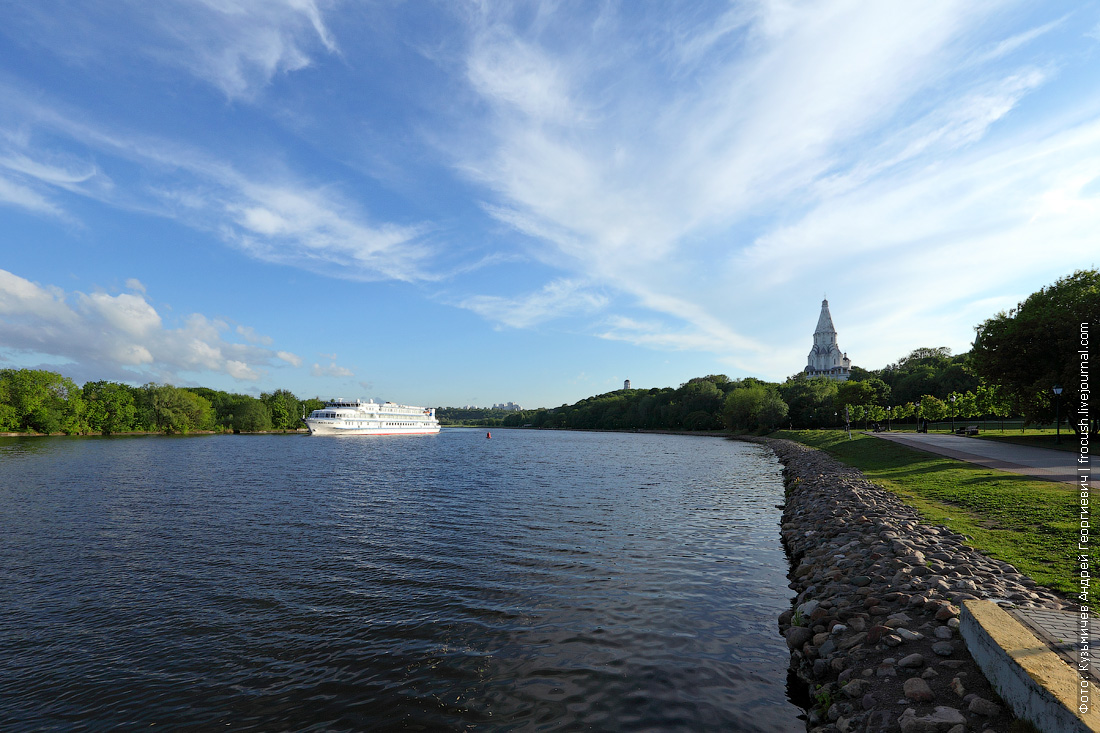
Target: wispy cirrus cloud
<point x="754" y="155"/>
<point x="237" y="46"/>
<point x="270" y="214"/>
<point x="555" y="300"/>
<point x="122" y="336"/>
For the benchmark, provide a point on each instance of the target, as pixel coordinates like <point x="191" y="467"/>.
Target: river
<point x="540" y="580"/>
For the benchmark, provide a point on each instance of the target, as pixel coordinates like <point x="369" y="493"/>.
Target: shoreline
<point x="873" y="628"/>
<point x="139" y="433"/>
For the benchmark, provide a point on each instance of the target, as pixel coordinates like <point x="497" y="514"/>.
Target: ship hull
<point x="328" y="429"/>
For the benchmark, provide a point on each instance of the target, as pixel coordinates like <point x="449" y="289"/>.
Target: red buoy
<point x="488" y="435"/>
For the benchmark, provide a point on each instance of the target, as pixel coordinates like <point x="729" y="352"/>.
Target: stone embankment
<point x="873" y="630"/>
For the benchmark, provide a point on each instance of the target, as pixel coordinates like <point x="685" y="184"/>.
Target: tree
<point x="753" y="406"/>
<point x="175" y="410"/>
<point x="855" y="393"/>
<point x="876" y="413"/>
<point x="903" y="411"/>
<point x="41" y="401"/>
<point x="251" y="415"/>
<point x="811" y="400"/>
<point x="967" y="405"/>
<point x="110" y="407"/>
<point x="932" y="408"/>
<point x="928" y="370"/>
<point x="1034" y="346"/>
<point x="284" y="407"/>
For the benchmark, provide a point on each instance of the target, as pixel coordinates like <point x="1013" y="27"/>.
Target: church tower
<point x="826" y="358"/>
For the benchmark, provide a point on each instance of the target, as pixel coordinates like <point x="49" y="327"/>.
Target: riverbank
<point x="300" y="431"/>
<point x="1025" y="521"/>
<point x="873" y="630"/>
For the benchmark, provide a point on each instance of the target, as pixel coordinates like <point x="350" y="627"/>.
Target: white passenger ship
<point x="341" y="417"/>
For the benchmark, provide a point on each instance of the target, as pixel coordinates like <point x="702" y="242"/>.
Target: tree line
<point x="1018" y="357"/>
<point x="39" y="401"/>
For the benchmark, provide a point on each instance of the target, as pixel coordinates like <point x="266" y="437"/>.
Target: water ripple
<point x="541" y="581"/>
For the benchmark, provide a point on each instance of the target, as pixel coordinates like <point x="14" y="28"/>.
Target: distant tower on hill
<point x="826" y="358"/>
<point x="626" y="384"/>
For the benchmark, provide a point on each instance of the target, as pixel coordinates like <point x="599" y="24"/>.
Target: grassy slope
<point x="1029" y="523"/>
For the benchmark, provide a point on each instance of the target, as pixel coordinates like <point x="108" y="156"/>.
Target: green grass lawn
<point x="1030" y="523"/>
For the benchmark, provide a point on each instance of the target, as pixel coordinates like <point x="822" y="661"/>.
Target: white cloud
<point x="127" y="314"/>
<point x="331" y="370"/>
<point x="250" y="335"/>
<point x="556" y="299"/>
<point x="240" y="370"/>
<point x="314" y="230"/>
<point x="117" y="336"/>
<point x="773" y="153"/>
<point x="519" y="77"/>
<point x="15" y="194"/>
<point x="270" y="215"/>
<point x="289" y="358"/>
<point x="238" y="46"/>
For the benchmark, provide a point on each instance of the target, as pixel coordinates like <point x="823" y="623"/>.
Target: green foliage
<point x="250" y="415"/>
<point x="928" y="371"/>
<point x="175" y="410"/>
<point x="33" y="400"/>
<point x="812" y="402"/>
<point x="695" y="405"/>
<point x="1029" y="523"/>
<point x="932" y="408"/>
<point x="1034" y="346"/>
<point x="869" y="391"/>
<point x="308" y="406"/>
<point x="40" y="401"/>
<point x="754" y="405"/>
<point x="284" y="408"/>
<point x="110" y="407"/>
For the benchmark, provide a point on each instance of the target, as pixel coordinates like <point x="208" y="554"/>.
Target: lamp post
<point x="953" y="398"/>
<point x="889" y="412"/>
<point x="1057" y="415"/>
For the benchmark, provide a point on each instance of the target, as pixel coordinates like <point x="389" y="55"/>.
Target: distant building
<point x="826" y="358"/>
<point x="508" y="406"/>
<point x="626" y="384"/>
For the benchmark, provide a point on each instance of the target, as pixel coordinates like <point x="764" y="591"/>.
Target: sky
<point x="453" y="203"/>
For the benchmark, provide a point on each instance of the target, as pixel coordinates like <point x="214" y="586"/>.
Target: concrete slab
<point x="1037" y="684"/>
<point x="1060" y="631"/>
<point x="1051" y="465"/>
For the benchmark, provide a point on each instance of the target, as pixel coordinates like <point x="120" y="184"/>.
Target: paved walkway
<point x="1060" y="631"/>
<point x="1052" y="465"/>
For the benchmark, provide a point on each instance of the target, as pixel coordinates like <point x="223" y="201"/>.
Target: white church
<point x="826" y="358"/>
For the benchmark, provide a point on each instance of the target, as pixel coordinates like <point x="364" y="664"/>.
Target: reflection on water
<point x="538" y="581"/>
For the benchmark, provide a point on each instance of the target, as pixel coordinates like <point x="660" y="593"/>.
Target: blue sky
<point x="476" y="202"/>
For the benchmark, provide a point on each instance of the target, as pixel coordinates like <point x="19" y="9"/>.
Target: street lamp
<point x="1057" y="416"/>
<point x="953" y="398"/>
<point x="888" y="414"/>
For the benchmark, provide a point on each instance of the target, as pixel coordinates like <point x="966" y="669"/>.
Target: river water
<point x="540" y="581"/>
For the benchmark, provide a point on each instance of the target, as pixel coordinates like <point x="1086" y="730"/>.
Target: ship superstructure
<point x="345" y="417"/>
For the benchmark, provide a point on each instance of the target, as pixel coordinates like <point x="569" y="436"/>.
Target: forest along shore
<point x="873" y="629"/>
